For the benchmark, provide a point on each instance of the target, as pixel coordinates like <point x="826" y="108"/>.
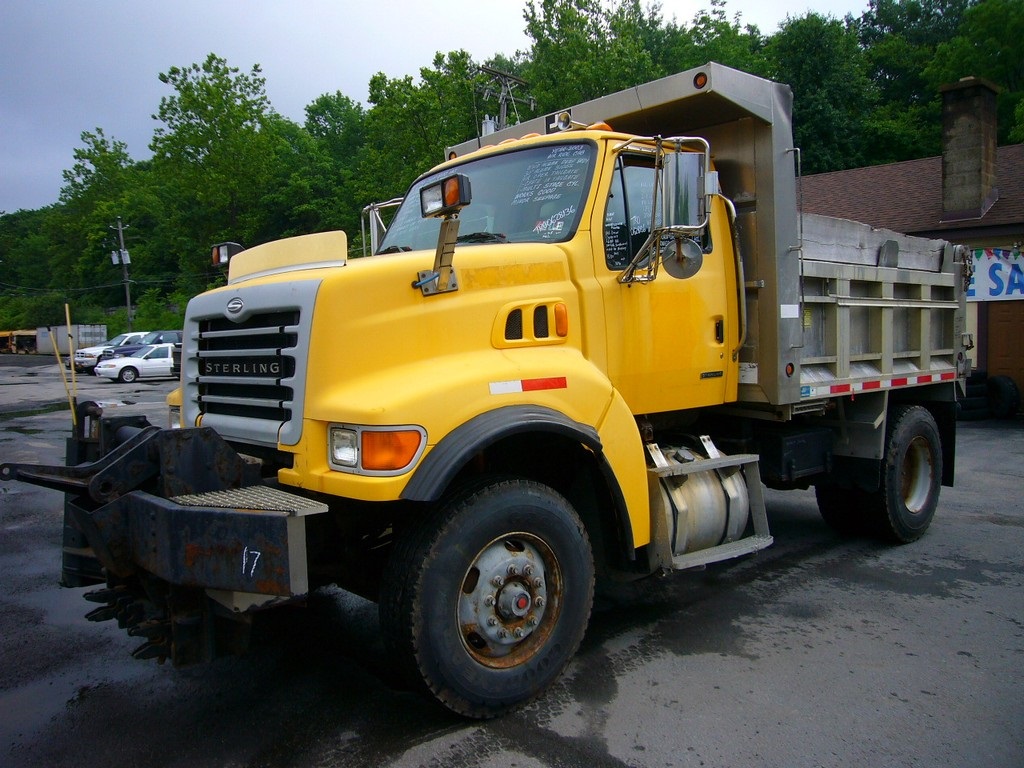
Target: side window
<point x="628" y="214"/>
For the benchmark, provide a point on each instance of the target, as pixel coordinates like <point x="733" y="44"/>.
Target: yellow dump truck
<point x="575" y="356"/>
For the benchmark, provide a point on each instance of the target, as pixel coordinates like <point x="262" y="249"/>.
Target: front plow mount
<point x="180" y="529"/>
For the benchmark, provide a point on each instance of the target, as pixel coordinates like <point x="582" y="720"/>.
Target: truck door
<point x="669" y="340"/>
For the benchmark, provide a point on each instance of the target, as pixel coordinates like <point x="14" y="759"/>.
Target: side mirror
<point x="682" y="257"/>
<point x="682" y="191"/>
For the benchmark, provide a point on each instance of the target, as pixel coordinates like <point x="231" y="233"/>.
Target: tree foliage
<point x="987" y="44"/>
<point x="820" y="59"/>
<point x="226" y="166"/>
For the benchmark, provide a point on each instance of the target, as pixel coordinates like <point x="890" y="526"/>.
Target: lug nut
<point x="538" y="582"/>
<point x="497" y="581"/>
<point x="518" y="632"/>
<point x="492" y="622"/>
<point x="489" y="601"/>
<point x="539" y="602"/>
<point x="512" y="571"/>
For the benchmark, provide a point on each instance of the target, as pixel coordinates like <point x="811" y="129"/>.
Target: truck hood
<point x="320" y="250"/>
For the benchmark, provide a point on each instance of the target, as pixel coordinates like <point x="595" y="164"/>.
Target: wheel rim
<point x="509" y="600"/>
<point x="918" y="474"/>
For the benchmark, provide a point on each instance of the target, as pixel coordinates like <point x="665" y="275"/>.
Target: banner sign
<point x="998" y="275"/>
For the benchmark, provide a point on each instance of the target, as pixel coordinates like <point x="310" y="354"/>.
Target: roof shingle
<point x="907" y="197"/>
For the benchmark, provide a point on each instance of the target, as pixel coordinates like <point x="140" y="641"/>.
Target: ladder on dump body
<point x="761" y="538"/>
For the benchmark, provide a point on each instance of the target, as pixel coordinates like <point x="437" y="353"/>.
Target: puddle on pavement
<point x="26" y="430"/>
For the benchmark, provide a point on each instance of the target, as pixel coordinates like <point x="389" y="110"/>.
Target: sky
<point x="68" y="66"/>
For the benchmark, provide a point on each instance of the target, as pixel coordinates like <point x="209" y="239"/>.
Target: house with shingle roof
<point x="971" y="195"/>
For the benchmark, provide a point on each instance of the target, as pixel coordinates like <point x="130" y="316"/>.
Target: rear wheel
<point x="486" y="601"/>
<point x="903" y="506"/>
<point x="1003" y="397"/>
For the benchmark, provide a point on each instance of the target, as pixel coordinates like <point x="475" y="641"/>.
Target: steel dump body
<point x="832" y="305"/>
<point x="879" y="310"/>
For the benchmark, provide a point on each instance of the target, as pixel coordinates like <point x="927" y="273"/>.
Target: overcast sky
<point x="68" y="66"/>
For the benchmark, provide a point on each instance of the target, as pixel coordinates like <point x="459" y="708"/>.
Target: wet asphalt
<point x="820" y="651"/>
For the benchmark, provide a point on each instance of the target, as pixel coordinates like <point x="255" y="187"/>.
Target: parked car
<point x="153" y="337"/>
<point x="87" y="357"/>
<point x="153" y="361"/>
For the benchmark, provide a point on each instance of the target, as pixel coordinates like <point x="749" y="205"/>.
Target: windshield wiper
<point x="395" y="249"/>
<point x="482" y="237"/>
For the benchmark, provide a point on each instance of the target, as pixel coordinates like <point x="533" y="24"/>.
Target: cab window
<point x="627" y="220"/>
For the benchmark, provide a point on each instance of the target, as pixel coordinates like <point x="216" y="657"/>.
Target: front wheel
<point x="127" y="375"/>
<point x="487" y="600"/>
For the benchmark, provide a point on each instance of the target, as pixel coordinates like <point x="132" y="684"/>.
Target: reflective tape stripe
<point x="527" y="385"/>
<point x="826" y="390"/>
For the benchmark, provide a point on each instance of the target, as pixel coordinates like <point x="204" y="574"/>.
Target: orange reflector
<point x="383" y="451"/>
<point x="561" y="320"/>
<point x="700" y="80"/>
<point x="451" y="191"/>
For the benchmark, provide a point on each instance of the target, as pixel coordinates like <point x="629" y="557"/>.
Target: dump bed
<point x="878" y="309"/>
<point x="831" y="304"/>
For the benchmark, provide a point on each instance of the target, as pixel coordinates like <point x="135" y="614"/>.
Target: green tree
<point x="987" y="45"/>
<point x="411" y="124"/>
<point x="96" y="192"/>
<point x="214" y="153"/>
<point x="713" y="37"/>
<point x="819" y="57"/>
<point x="581" y="51"/>
<point x="899" y="38"/>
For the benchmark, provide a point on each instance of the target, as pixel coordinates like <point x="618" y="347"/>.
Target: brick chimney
<point x="968" y="148"/>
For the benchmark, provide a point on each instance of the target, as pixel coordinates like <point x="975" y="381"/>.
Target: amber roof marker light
<point x="700" y="80"/>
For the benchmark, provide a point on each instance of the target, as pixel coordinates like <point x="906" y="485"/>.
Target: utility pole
<point x="506" y="84"/>
<point x="121" y="257"/>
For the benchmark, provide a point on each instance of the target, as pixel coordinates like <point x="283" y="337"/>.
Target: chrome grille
<point x="241" y="366"/>
<point x="244" y="359"/>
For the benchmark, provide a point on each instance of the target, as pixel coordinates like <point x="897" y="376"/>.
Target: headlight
<point x="445" y="197"/>
<point x="375" y="450"/>
<point x="344" y="447"/>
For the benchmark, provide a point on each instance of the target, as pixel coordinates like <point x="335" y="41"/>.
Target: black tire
<point x="973" y="408"/>
<point x="902" y="508"/>
<point x="487" y="600"/>
<point x="1003" y="397"/>
<point x="127" y="375"/>
<point x="843" y="509"/>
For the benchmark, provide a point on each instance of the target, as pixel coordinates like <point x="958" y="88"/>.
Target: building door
<point x="1005" y="340"/>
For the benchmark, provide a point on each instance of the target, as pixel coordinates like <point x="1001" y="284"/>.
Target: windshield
<point x="532" y="195"/>
<point x="141" y="352"/>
